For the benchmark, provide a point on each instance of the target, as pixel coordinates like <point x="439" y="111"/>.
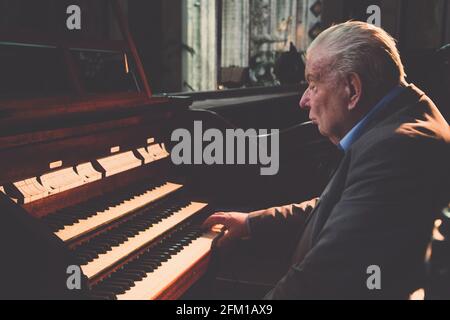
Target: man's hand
<point x="234" y="223"/>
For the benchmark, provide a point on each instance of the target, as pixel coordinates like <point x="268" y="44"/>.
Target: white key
<point x="111" y="214"/>
<point x="23" y="188"/>
<point x="35" y="183"/>
<point x="39" y="190"/>
<point x="117" y="253"/>
<point x="119" y="163"/>
<point x="165" y="152"/>
<point x="88" y="173"/>
<point x="156" y="151"/>
<point x="147" y="156"/>
<point x="61" y="180"/>
<point x="31" y="190"/>
<point x="157" y="281"/>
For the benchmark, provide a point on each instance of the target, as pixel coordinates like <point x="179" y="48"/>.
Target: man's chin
<point x="322" y="132"/>
<point x="317" y="124"/>
<point x="320" y="129"/>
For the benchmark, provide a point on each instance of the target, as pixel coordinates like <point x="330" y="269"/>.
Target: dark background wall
<point x="157" y="29"/>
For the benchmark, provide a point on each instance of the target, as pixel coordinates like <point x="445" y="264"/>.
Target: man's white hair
<point x="364" y="49"/>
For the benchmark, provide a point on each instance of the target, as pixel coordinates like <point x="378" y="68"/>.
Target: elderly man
<point x="376" y="215"/>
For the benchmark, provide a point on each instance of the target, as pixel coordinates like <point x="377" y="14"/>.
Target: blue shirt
<point x="354" y="134"/>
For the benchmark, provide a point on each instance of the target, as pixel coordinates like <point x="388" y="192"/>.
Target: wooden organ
<point x="94" y="173"/>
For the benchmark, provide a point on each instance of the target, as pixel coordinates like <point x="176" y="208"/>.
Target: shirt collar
<point x="355" y="133"/>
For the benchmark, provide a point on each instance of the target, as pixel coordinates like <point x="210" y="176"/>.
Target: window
<point x="236" y="43"/>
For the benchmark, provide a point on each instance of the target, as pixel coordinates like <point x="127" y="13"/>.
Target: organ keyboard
<point x="113" y="212"/>
<point x="136" y="241"/>
<point x="94" y="173"/>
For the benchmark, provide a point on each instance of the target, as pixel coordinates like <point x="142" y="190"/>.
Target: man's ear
<point x="354" y="87"/>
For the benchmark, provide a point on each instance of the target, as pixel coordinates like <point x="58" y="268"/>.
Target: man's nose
<point x="304" y="101"/>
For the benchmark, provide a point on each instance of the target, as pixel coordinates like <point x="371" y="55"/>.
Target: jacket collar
<point x="410" y="95"/>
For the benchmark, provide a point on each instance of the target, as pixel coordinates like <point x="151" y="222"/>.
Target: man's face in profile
<point x="326" y="97"/>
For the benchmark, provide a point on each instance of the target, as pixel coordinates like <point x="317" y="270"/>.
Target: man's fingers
<point x="215" y="219"/>
<point x="224" y="240"/>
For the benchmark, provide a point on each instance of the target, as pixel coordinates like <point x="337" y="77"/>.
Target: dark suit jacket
<point x="378" y="209"/>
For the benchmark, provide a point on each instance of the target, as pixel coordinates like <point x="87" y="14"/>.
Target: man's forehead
<point x="315" y="65"/>
<point x="313" y="70"/>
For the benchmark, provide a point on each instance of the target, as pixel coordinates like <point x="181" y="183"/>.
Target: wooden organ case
<point x="90" y="179"/>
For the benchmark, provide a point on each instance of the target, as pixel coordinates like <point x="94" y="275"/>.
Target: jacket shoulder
<point x="412" y="126"/>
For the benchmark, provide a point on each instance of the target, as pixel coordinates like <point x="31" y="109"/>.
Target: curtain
<point x="276" y="23"/>
<point x="235" y="33"/>
<point x="199" y="45"/>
